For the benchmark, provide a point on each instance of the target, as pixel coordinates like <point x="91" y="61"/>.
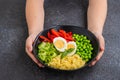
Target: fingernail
<point x="41" y="66"/>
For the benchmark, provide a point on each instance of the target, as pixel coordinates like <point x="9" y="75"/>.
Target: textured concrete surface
<point x="16" y="65"/>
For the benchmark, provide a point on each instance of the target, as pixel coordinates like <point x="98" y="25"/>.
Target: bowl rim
<point x="53" y="27"/>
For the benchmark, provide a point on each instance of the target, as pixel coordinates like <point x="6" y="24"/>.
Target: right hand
<point x="29" y="48"/>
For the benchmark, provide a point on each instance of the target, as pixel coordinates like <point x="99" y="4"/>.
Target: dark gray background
<point x="16" y="65"/>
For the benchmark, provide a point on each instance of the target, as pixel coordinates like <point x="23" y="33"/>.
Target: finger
<point x="29" y="44"/>
<point x="102" y="43"/>
<point x="97" y="58"/>
<point x="33" y="58"/>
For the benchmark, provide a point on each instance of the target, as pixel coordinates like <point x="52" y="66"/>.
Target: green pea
<point x="84" y="47"/>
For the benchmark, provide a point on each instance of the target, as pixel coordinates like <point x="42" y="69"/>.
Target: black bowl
<point x="73" y="29"/>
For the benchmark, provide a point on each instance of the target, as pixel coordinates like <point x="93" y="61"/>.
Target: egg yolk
<point x="70" y="46"/>
<point x="59" y="44"/>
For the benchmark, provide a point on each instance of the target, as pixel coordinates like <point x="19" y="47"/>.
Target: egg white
<point x="65" y="44"/>
<point x="75" y="47"/>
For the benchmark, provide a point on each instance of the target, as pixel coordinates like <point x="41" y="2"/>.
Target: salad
<point x="64" y="50"/>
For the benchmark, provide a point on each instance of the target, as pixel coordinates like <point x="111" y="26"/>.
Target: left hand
<point x="29" y="48"/>
<point x="102" y="47"/>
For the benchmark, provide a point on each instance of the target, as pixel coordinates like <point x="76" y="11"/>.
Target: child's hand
<point x="102" y="47"/>
<point x="29" y="49"/>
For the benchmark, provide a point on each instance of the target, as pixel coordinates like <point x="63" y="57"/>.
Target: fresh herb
<point x="66" y="52"/>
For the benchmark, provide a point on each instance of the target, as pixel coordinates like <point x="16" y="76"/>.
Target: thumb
<point x="29" y="44"/>
<point x="102" y="43"/>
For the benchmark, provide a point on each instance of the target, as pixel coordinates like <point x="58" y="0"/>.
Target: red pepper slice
<point x="44" y="39"/>
<point x="54" y="32"/>
<point x="52" y="37"/>
<point x="70" y="33"/>
<point x="63" y="33"/>
<point x="49" y="35"/>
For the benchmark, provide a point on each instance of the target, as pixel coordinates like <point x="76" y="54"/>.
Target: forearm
<point x="34" y="16"/>
<point x="97" y="11"/>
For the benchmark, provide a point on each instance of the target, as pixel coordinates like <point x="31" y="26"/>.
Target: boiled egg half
<point x="71" y="44"/>
<point x="60" y="44"/>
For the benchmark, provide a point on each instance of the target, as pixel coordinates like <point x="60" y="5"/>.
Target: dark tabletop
<point x="16" y="65"/>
